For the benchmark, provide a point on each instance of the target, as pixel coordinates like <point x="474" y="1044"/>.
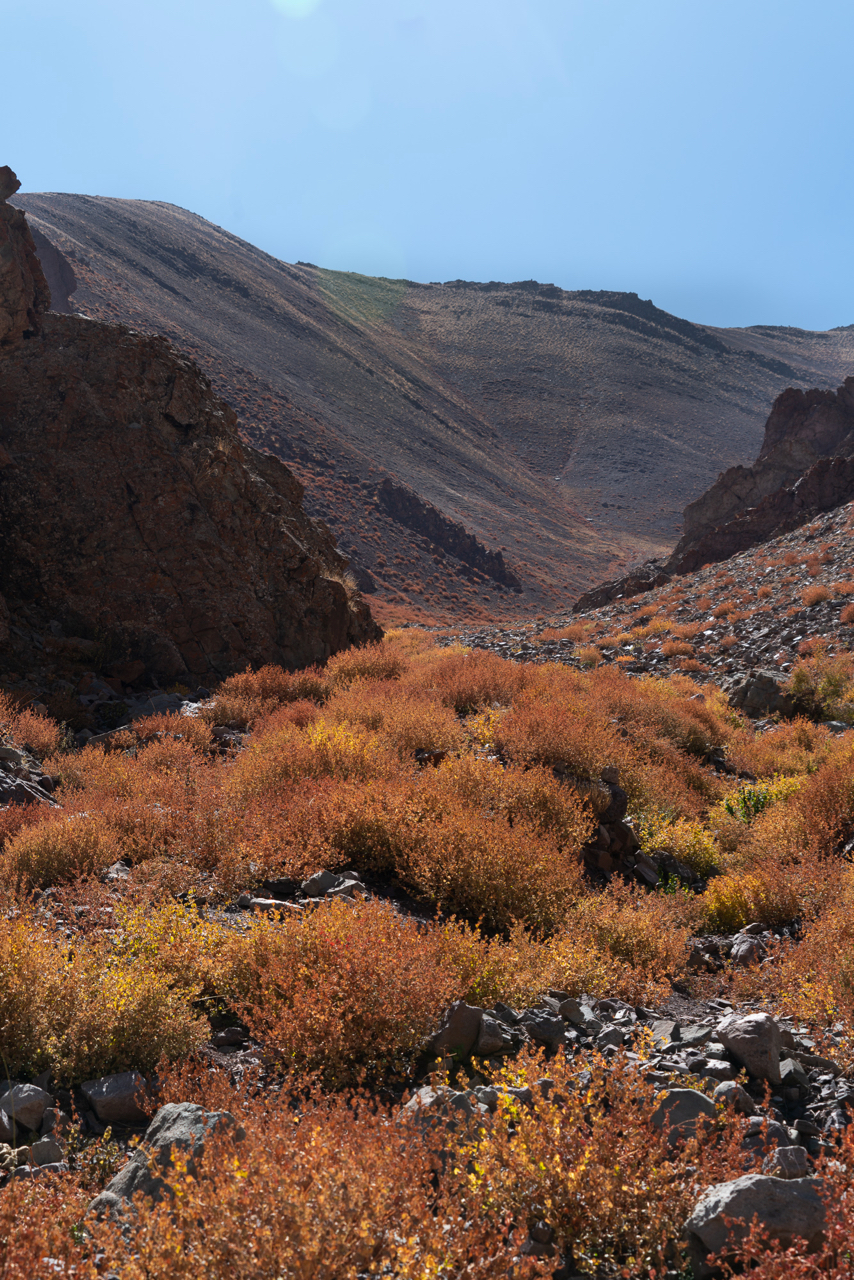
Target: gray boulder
<point x="760" y="694"/>
<point x="492" y="1038"/>
<point x="731" y="1093"/>
<point x="747" y="951"/>
<point x="116" y="1099"/>
<point x="178" y="1126"/>
<point x="47" y="1151"/>
<point x="786" y="1210"/>
<point x="25" y="1105"/>
<point x="459" y="1031"/>
<point x="678" y="1110"/>
<point x="320" y="883"/>
<point x="754" y="1041"/>
<point x="787" y="1162"/>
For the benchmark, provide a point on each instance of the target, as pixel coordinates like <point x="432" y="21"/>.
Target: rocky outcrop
<point x="24" y="295"/>
<point x="132" y="514"/>
<point x="449" y="536"/>
<point x="805" y="468"/>
<point x="803" y="427"/>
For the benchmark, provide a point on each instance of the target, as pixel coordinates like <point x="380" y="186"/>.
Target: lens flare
<point x="295" y="8"/>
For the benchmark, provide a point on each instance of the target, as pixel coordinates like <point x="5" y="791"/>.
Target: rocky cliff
<point x="131" y="513"/>
<point x="805" y="467"/>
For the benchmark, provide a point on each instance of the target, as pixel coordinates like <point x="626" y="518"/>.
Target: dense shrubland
<point x="465" y="786"/>
<point x="485" y="837"/>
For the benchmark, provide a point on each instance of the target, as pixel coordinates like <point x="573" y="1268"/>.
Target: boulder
<point x="747" y="951"/>
<point x="677" y="1112"/>
<point x="761" y="694"/>
<point x="116" y="1099"/>
<point x="492" y="1038"/>
<point x="787" y="1211"/>
<point x="46" y="1151"/>
<point x="459" y="1031"/>
<point x="320" y="883"/>
<point x="178" y="1127"/>
<point x="731" y="1093"/>
<point x="25" y="1104"/>
<point x="754" y="1041"/>
<point x="787" y="1162"/>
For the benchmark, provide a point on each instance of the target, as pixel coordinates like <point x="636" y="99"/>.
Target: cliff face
<point x="24" y="294"/>
<point x="132" y="514"/>
<point x="805" y="467"/>
<point x="803" y="427"/>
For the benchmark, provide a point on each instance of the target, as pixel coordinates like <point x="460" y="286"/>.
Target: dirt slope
<point x="567" y="430"/>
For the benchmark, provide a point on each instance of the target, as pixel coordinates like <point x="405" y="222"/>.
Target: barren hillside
<point x="566" y="430"/>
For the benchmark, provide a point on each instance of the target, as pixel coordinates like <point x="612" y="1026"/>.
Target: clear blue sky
<point x="700" y="154"/>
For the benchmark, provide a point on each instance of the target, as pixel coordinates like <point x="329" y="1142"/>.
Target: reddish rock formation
<point x="131" y="512"/>
<point x="805" y="467"/>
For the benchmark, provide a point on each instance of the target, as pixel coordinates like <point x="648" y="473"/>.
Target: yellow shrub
<point x="689" y="842"/>
<point x="59" y="850"/>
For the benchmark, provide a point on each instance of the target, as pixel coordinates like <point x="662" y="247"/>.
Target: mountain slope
<point x="567" y="430"/>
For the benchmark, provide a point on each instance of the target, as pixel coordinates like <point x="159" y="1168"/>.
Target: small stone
<point x="786" y="1162"/>
<point x="46" y="1151"/>
<point x="792" y="1075"/>
<point x="732" y="1094"/>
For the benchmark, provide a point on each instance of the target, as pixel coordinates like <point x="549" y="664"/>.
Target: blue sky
<point x="701" y="155"/>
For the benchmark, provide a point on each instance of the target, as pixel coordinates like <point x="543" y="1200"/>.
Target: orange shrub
<point x="588" y="655"/>
<point x="59" y="849"/>
<point x="847" y="615"/>
<point x="242" y="698"/>
<point x="469" y="681"/>
<point x="341" y="989"/>
<point x="339" y="1189"/>
<point x="764" y="593"/>
<point x="843" y="588"/>
<point x="408" y="718"/>
<point x="190" y="729"/>
<point x="816" y="594"/>
<point x="380" y="661"/>
<point x="676" y="649"/>
<point x="37" y="733"/>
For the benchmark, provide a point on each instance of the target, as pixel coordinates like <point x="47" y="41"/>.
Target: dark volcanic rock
<point x="131" y="511"/>
<point x="24" y="295"/>
<point x="408" y="509"/>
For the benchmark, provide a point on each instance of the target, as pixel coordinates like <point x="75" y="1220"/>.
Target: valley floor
<point x="516" y="952"/>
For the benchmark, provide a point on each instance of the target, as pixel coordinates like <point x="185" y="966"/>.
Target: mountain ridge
<point x="565" y="430"/>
